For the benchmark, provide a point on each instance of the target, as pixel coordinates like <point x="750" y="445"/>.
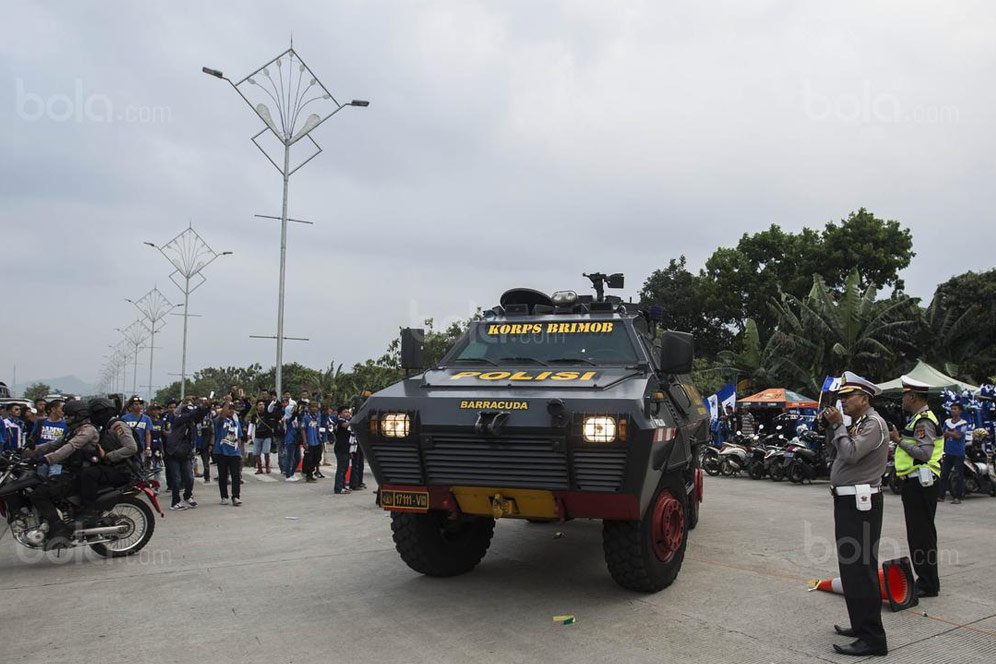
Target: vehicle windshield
<point x="547" y="343"/>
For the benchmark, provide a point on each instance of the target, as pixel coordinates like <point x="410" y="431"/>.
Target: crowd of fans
<point x="230" y="433"/>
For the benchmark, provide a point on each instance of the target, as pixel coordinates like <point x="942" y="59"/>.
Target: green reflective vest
<point x="905" y="464"/>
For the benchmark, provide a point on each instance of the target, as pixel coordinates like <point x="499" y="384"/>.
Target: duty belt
<point x="850" y="490"/>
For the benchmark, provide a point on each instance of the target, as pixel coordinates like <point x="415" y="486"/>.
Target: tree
<point x="679" y="292"/>
<point x="739" y="283"/>
<point x="852" y="330"/>
<point x="37" y="391"/>
<point x="961" y="320"/>
<point x="879" y="248"/>
<point x="771" y="363"/>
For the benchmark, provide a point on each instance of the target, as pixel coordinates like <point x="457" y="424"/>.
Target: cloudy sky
<point x="506" y="143"/>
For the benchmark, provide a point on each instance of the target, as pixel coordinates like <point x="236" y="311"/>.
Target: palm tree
<point x="951" y="337"/>
<point x="764" y="365"/>
<point x="853" y="331"/>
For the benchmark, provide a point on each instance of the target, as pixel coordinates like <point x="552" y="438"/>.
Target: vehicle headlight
<point x="599" y="429"/>
<point x="395" y="425"/>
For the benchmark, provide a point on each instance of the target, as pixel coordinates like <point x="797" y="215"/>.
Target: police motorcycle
<point x="805" y="457"/>
<point x="123" y="524"/>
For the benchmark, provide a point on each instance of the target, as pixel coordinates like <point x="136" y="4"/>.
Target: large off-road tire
<point x="142" y="523"/>
<point x="433" y="545"/>
<point x="646" y="555"/>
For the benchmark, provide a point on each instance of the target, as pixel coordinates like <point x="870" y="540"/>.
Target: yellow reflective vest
<point x="906" y="464"/>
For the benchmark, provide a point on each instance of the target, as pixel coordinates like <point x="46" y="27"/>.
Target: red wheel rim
<point x="668" y="526"/>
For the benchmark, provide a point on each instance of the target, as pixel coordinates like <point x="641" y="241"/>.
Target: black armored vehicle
<point x="550" y="408"/>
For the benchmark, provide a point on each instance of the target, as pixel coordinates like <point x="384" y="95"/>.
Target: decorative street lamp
<point x="281" y="90"/>
<point x="135" y="334"/>
<point x="154" y="308"/>
<point x="189" y="254"/>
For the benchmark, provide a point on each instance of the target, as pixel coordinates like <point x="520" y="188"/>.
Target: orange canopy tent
<point x="777" y="397"/>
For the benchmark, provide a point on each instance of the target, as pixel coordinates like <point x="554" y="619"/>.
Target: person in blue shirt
<point x="204" y="444"/>
<point x="956" y="432"/>
<point x="48" y="430"/>
<point x="290" y="447"/>
<point x="227" y="456"/>
<point x="14" y="426"/>
<point x="141" y="426"/>
<point x="154" y="458"/>
<point x="310" y="421"/>
<point x="3" y="428"/>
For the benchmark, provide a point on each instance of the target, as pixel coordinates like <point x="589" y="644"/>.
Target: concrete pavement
<point x="298" y="574"/>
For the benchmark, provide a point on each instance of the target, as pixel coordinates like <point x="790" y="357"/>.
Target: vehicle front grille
<point x="510" y="461"/>
<point x="599" y="470"/>
<point x="398" y="463"/>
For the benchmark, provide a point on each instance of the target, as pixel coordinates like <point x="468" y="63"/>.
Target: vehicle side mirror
<point x="677" y="352"/>
<point x="412" y="343"/>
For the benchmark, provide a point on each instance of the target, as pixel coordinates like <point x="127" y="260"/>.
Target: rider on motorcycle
<point x="69" y="450"/>
<point x="111" y="465"/>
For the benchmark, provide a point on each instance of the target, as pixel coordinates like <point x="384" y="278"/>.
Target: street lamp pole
<point x="135" y="335"/>
<point x="288" y="95"/>
<point x="154" y="307"/>
<point x="189" y="254"/>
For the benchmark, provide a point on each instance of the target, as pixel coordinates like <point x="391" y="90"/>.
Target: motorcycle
<point x="124" y="525"/>
<point x="733" y="456"/>
<point x="806" y="459"/>
<point x="980" y="476"/>
<point x="709" y="461"/>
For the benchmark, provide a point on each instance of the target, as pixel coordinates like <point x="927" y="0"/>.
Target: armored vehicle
<point x="549" y="408"/>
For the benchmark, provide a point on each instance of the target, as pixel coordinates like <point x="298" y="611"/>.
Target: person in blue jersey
<point x="154" y="456"/>
<point x="310" y="421"/>
<point x="290" y="444"/>
<point x="48" y="430"/>
<point x="169" y="416"/>
<point x="141" y="426"/>
<point x="956" y="432"/>
<point x="3" y="428"/>
<point x="227" y="436"/>
<point x="204" y="444"/>
<point x="15" y="427"/>
<point x="341" y="449"/>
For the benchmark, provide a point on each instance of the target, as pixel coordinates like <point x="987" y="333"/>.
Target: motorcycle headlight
<point x="395" y="425"/>
<point x="599" y="429"/>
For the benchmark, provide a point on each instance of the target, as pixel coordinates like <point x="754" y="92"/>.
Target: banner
<point x="724" y="396"/>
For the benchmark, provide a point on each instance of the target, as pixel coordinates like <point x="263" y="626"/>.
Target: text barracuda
<point x="494" y="405"/>
<point x="526" y="375"/>
<point x="551" y="328"/>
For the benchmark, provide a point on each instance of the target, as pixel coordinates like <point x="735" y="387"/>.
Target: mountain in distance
<point x="64" y="384"/>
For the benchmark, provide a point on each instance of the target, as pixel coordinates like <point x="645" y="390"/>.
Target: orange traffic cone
<point x="895" y="580"/>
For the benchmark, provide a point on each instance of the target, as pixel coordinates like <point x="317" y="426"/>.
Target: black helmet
<point x="75" y="411"/>
<point x="102" y="410"/>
